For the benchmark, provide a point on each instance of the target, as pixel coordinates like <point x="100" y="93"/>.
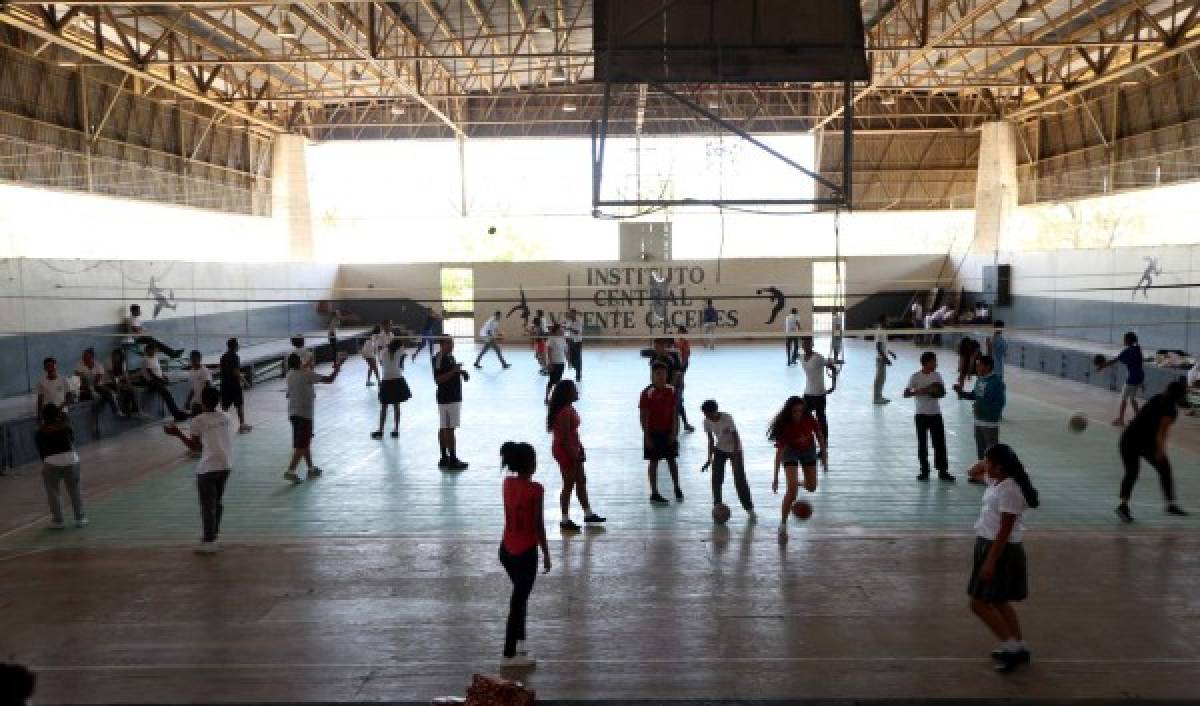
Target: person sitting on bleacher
<point x="118" y="374"/>
<point x="52" y="388"/>
<point x="137" y="334"/>
<point x="93" y="386"/>
<point x="154" y="378"/>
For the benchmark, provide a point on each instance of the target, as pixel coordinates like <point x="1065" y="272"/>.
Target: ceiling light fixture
<point x="541" y="23"/>
<point x="285" y="29"/>
<point x="1025" y="13"/>
<point x="888" y="100"/>
<point x="356" y="76"/>
<point x="569" y="107"/>
<point x="398" y="109"/>
<point x="558" y="75"/>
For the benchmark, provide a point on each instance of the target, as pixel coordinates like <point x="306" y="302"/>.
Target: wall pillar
<point x="995" y="185"/>
<point x="289" y="196"/>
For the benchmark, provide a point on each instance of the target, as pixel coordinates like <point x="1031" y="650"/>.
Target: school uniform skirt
<point x="1009" y="582"/>
<point x="394" y="391"/>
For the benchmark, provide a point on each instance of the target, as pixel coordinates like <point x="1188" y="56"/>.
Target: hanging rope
<point x="839" y="303"/>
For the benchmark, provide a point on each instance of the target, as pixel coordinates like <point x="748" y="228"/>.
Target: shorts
<point x="231" y="396"/>
<point x="661" y="447"/>
<point x="448" y="415"/>
<point x="1130" y="392"/>
<point x="1009" y="583"/>
<point x="800" y="457"/>
<point x="302" y="432"/>
<point x="394" y="391"/>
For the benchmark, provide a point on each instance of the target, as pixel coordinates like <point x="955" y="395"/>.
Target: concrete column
<point x="995" y="185"/>
<point x="289" y="196"/>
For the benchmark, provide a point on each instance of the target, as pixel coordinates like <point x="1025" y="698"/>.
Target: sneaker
<point x="882" y="400"/>
<point x="658" y="499"/>
<point x="507" y="366"/>
<point x="376" y="435"/>
<point x="568" y="526"/>
<point x="1176" y="510"/>
<point x="678" y="495"/>
<point x="57" y="526"/>
<point x="395" y="435"/>
<point x="1008" y="661"/>
<point x="923" y="476"/>
<point x="1022" y="655"/>
<point x="81" y="522"/>
<point x="245" y="429"/>
<point x="207" y="548"/>
<point x="518" y="662"/>
<point x="314" y="472"/>
<point x="444" y="462"/>
<point x="477" y="365"/>
<point x="593" y="518"/>
<point x="946" y="477"/>
<point x="454" y="464"/>
<point x="689" y="428"/>
<point x="1124" y="514"/>
<point x="291" y="476"/>
<point x="370" y="383"/>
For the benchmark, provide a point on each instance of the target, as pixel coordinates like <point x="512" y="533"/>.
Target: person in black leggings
<point x="524" y="532"/>
<point x="1146" y="437"/>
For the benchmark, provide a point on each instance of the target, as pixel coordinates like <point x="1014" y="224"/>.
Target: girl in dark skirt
<point x="393" y="389"/>
<point x="998" y="575"/>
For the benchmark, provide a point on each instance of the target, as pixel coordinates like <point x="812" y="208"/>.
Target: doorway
<point x="458" y="301"/>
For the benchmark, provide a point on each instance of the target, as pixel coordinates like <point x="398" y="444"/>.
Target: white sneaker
<point x="245" y="429"/>
<point x="81" y="522"/>
<point x="207" y="548"/>
<point x="518" y="662"/>
<point x="291" y="476"/>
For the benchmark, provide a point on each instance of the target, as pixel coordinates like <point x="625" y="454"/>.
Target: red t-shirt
<point x="660" y="408"/>
<point x="566" y="444"/>
<point x="799" y="435"/>
<point x="522" y="499"/>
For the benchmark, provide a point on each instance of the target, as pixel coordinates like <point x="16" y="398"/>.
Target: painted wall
<point x="1094" y="294"/>
<point x="59" y="307"/>
<point x="615" y="298"/>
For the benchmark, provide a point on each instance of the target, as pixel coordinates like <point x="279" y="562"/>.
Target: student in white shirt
<point x="791" y="326"/>
<point x="212" y="433"/>
<point x="556" y="358"/>
<point x="154" y="378"/>
<point x="52" y="388"/>
<point x="55" y="442"/>
<point x="93" y="383"/>
<point x="573" y="326"/>
<point x="369" y="354"/>
<point x="490" y="333"/>
<point x="998" y="578"/>
<point x="301" y="406"/>
<point x="136" y="334"/>
<point x="927" y="386"/>
<point x="198" y="378"/>
<point x="815" y="365"/>
<point x="724" y="444"/>
<point x="393" y="389"/>
<point x="307" y="359"/>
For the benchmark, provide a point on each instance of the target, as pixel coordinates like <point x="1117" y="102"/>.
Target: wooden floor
<point x="379" y="581"/>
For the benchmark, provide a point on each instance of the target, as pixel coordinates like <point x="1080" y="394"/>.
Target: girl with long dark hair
<point x="524" y="532"/>
<point x="563" y="422"/>
<point x="998" y="575"/>
<point x="799" y="443"/>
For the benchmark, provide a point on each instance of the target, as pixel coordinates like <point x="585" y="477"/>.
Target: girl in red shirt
<point x="524" y="532"/>
<point x="563" y="422"/>
<point x="798" y="443"/>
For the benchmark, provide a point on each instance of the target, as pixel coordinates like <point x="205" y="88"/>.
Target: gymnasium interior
<point x="890" y="178"/>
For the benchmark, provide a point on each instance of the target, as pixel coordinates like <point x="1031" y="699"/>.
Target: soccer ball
<point x="1077" y="423"/>
<point x="720" y="513"/>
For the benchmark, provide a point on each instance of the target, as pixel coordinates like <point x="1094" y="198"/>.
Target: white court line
<point x="614" y="662"/>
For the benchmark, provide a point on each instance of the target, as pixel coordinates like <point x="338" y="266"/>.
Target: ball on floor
<point x="1077" y="423"/>
<point x="720" y="513"/>
<point x="802" y="510"/>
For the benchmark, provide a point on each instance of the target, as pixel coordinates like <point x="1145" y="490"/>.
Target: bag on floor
<point x="496" y="691"/>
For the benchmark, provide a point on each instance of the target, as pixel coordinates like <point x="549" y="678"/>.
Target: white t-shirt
<point x="390" y="364"/>
<point x="924" y="403"/>
<point x="90" y="377"/>
<point x="814" y="374"/>
<point x="556" y="349"/>
<point x="52" y="391"/>
<point x="215" y="430"/>
<point x="368" y="347"/>
<point x="489" y="328"/>
<point x="150" y="367"/>
<point x="301" y="396"/>
<point x="132" y="324"/>
<point x="381" y="340"/>
<point x="791" y="324"/>
<point x="999" y="499"/>
<point x="199" y="378"/>
<point x="306" y="356"/>
<point x="725" y="436"/>
<point x="573" y="329"/>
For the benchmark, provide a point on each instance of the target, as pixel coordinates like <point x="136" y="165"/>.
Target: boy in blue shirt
<point x="1131" y="356"/>
<point x="997" y="347"/>
<point x="989" y="399"/>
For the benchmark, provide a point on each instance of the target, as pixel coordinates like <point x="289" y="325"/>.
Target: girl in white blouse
<point x="998" y="577"/>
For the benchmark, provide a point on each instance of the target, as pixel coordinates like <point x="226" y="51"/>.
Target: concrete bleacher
<point x="93" y="421"/>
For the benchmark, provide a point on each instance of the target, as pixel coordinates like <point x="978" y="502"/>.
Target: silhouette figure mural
<point x="162" y="300"/>
<point x="777" y="299"/>
<point x="1147" y="281"/>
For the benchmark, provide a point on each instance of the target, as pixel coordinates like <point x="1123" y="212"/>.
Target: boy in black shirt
<point x="1146" y="437"/>
<point x="449" y="376"/>
<point x="231" y="384"/>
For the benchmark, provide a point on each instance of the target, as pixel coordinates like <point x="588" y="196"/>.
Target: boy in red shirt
<point x="660" y="430"/>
